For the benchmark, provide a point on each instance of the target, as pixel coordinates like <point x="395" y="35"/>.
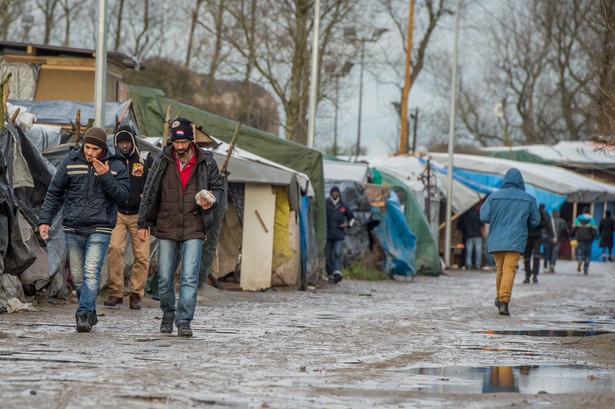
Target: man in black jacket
<point x="89" y="185"/>
<point x="137" y="164"/>
<point x="182" y="188"/>
<point x="339" y="218"/>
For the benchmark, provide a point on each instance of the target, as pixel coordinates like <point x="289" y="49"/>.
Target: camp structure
<point x="44" y="72"/>
<point x="151" y="105"/>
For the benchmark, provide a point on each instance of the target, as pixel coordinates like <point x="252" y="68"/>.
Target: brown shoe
<point x="113" y="301"/>
<point x="135" y="302"/>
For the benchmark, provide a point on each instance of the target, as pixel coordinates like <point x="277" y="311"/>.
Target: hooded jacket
<point x="89" y="200"/>
<point x="137" y="168"/>
<point x="510" y="212"/>
<point x="337" y="214"/>
<point x="584" y="228"/>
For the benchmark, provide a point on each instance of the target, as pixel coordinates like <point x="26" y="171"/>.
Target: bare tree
<point x="119" y="16"/>
<point x="279" y="49"/>
<point x="194" y="16"/>
<point x="48" y="8"/>
<point x="10" y="11"/>
<point x="70" y="11"/>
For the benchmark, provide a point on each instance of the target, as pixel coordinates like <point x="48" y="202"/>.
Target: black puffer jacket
<point x="207" y="177"/>
<point x="137" y="166"/>
<point x="90" y="201"/>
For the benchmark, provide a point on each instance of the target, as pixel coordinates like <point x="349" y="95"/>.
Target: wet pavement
<point x="434" y="342"/>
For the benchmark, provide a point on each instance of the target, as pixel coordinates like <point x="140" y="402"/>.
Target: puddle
<point x="522" y="379"/>
<point x="549" y="333"/>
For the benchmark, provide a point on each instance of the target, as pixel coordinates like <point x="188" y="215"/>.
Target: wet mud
<point x="435" y="342"/>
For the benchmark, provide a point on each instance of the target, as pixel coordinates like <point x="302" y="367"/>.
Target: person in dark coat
<point x="339" y="218"/>
<point x="509" y="212"/>
<point x="471" y="227"/>
<point x="89" y="185"/>
<point x="531" y="254"/>
<point x="182" y="189"/>
<point x="584" y="231"/>
<point x="605" y="230"/>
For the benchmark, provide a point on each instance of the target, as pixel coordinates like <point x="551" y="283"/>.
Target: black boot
<point x="503" y="307"/>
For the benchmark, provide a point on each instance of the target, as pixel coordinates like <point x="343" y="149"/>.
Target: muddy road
<point x="437" y="342"/>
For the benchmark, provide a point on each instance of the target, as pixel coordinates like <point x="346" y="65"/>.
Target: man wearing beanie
<point x="181" y="219"/>
<point x="339" y="218"/>
<point x="88" y="186"/>
<point x="137" y="164"/>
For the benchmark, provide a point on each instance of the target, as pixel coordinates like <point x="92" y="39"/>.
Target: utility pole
<point x="403" y="114"/>
<point x="100" y="73"/>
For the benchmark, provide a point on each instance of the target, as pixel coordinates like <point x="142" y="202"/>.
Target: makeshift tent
<point x="23" y="185"/>
<point x="151" y="104"/>
<point x="551" y="185"/>
<point x="578" y="154"/>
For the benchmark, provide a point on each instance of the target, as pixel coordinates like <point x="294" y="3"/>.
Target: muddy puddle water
<point x="522" y="379"/>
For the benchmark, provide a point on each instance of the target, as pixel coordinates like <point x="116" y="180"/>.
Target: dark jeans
<point x="532" y="251"/>
<point x="584" y="253"/>
<point x="333" y="254"/>
<point x="547" y="248"/>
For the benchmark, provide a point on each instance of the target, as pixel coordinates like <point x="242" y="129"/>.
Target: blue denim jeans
<point x="474" y="252"/>
<point x="333" y="255"/>
<point x="85" y="256"/>
<point x="169" y="254"/>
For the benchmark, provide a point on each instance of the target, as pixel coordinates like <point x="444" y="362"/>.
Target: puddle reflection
<point x="549" y="333"/>
<point x="523" y="379"/>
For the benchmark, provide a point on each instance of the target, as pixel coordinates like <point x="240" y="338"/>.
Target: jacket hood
<point x="125" y="132"/>
<point x="513" y="179"/>
<point x="584" y="218"/>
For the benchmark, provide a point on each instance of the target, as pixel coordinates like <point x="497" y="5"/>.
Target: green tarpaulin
<point x="150" y="106"/>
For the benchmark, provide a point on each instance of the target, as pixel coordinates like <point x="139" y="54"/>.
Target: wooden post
<point x="77" y="130"/>
<point x="165" y="130"/>
<point x="403" y="111"/>
<point x="231" y="147"/>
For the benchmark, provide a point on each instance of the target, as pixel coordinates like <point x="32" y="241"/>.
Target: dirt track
<point x="357" y="344"/>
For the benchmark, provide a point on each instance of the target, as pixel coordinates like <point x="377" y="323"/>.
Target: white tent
<point x="576" y="187"/>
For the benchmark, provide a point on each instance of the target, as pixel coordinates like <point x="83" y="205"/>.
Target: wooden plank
<point x="257" y="240"/>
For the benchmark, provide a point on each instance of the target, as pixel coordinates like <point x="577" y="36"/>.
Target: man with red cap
<point x="89" y="185"/>
<point x="182" y="188"/>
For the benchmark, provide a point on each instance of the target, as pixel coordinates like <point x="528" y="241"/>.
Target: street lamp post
<point x="351" y="34"/>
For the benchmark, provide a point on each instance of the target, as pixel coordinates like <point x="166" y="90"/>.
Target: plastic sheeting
<point x="427" y="259"/>
<point x="396" y="239"/>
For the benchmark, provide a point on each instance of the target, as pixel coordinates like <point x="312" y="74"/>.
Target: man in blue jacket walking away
<point x="339" y="218"/>
<point x="510" y="212"/>
<point x="88" y="185"/>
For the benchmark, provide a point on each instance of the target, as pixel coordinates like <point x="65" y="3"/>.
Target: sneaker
<point x="503" y="308"/>
<point x="552" y="269"/>
<point x="337" y="277"/>
<point x="526" y="281"/>
<point x="184" y="330"/>
<point x="166" y="326"/>
<point x="135" y="302"/>
<point x="579" y="263"/>
<point x="534" y="279"/>
<point x="114" y="301"/>
<point x="497" y="302"/>
<point x="585" y="271"/>
<point x="83" y="322"/>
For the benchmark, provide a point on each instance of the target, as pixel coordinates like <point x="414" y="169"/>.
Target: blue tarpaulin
<point x="396" y="239"/>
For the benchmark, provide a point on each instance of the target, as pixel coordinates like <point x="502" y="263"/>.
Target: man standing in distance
<point x="137" y="165"/>
<point x="509" y="211"/>
<point x="89" y="184"/>
<point x="339" y="218"/>
<point x="181" y="216"/>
